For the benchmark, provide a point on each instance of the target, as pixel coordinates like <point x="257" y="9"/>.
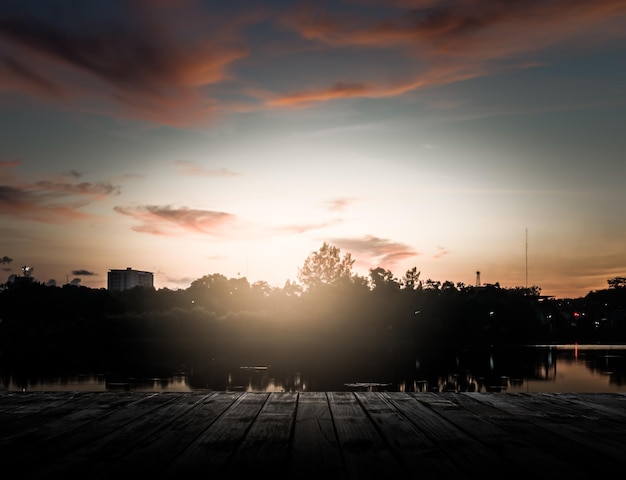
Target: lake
<point x="535" y="368"/>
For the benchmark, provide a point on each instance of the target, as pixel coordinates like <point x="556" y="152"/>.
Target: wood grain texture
<point x="312" y="435"/>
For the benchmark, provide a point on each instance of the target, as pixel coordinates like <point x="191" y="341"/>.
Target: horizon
<point x="196" y="138"/>
<point x="76" y="281"/>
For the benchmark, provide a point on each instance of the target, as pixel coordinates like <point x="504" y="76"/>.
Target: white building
<point x="118" y="280"/>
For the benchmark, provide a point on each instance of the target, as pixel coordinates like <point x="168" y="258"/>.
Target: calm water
<point x="561" y="368"/>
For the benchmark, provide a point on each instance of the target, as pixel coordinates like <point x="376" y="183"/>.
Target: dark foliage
<point x="378" y="326"/>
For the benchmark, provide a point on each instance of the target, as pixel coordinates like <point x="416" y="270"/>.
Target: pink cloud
<point x="302" y="228"/>
<point x="165" y="220"/>
<point x="48" y="201"/>
<point x="378" y="251"/>
<point x="340" y="204"/>
<point x="196" y="170"/>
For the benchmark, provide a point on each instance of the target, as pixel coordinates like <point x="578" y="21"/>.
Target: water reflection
<point x="95" y="383"/>
<point x="540" y="368"/>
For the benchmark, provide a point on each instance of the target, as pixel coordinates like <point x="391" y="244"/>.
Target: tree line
<point x="332" y="317"/>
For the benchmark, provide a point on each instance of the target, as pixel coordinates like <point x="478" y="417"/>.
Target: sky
<point x="191" y="138"/>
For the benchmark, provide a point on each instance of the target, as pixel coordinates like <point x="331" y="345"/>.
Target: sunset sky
<point x="193" y="137"/>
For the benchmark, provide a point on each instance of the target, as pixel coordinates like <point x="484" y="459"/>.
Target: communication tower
<point x="478" y="278"/>
<point x="526" y="258"/>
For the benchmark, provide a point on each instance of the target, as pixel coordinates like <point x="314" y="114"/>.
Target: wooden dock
<point x="312" y="435"/>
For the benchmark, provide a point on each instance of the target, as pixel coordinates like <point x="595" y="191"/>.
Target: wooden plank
<point x="417" y="452"/>
<point x="211" y="451"/>
<point x="176" y="429"/>
<point x="23" y="410"/>
<point x="335" y="435"/>
<point x="558" y="437"/>
<point x="103" y="439"/>
<point x="472" y="456"/>
<point x="532" y="446"/>
<point x="28" y="402"/>
<point x="600" y="440"/>
<point x="603" y="417"/>
<point x="364" y="450"/>
<point x="314" y="449"/>
<point x="611" y="406"/>
<point x="48" y="428"/>
<point x="265" y="447"/>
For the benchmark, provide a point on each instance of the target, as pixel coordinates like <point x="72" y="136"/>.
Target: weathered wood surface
<point x="312" y="435"/>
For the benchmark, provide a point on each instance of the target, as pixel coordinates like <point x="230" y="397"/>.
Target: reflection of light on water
<point x="79" y="383"/>
<point x="258" y="380"/>
<point x="554" y="368"/>
<point x="550" y="357"/>
<point x="100" y="383"/>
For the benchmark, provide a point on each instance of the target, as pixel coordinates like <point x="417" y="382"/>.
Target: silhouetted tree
<point x="617" y="282"/>
<point x="325" y="268"/>
<point x="448" y="286"/>
<point x="292" y="289"/>
<point x="431" y="284"/>
<point x="411" y="279"/>
<point x="381" y="278"/>
<point x="220" y="294"/>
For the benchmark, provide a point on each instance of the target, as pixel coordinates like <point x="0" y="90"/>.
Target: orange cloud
<point x="165" y="220"/>
<point x="452" y="41"/>
<point x="438" y="76"/>
<point x="176" y="63"/>
<point x="142" y="65"/>
<point x="339" y="90"/>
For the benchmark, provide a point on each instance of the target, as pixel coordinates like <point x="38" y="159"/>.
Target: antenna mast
<point x="527" y="258"/>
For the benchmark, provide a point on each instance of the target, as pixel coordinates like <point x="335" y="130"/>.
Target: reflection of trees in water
<point x="343" y="330"/>
<point x="609" y="362"/>
<point x="263" y="379"/>
<point x="477" y="370"/>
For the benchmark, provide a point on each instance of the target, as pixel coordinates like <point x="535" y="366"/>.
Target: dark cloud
<point x="450" y="41"/>
<point x="149" y="60"/>
<point x="176" y="63"/>
<point x="83" y="188"/>
<point x="83" y="273"/>
<point x="50" y="201"/>
<point x="23" y="74"/>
